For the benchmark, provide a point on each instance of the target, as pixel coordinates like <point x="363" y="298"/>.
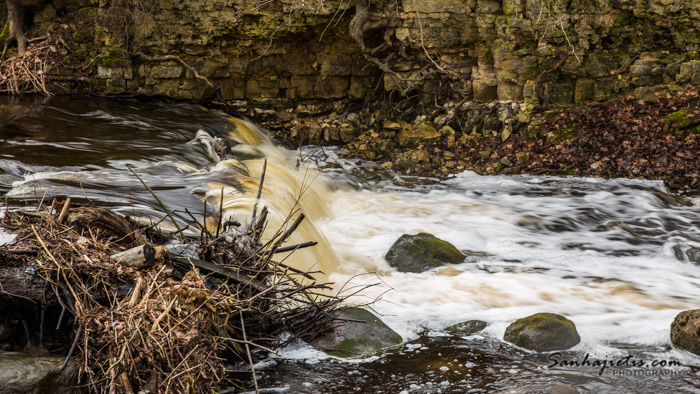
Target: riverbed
<point x="620" y="258"/>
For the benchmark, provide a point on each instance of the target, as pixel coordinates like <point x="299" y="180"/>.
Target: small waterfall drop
<point x="289" y="188"/>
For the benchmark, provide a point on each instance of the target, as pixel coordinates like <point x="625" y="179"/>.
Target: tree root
<point x="173" y="57"/>
<point x="361" y="23"/>
<point x="16" y="13"/>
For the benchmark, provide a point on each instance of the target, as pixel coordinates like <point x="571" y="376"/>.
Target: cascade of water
<point x="289" y="188"/>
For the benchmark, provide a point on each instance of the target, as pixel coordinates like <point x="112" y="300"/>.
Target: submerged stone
<point x="543" y="332"/>
<point x="421" y="252"/>
<point x="362" y="335"/>
<point x="466" y="328"/>
<point x="685" y="331"/>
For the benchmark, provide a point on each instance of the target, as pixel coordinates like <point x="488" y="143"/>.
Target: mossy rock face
<point x="363" y="335"/>
<point x="421" y="252"/>
<point x="685" y="331"/>
<point x="543" y="332"/>
<point x="466" y="328"/>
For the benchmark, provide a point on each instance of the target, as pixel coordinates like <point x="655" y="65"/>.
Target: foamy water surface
<point x="621" y="258"/>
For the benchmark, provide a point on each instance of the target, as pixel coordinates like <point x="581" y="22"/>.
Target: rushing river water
<point x="621" y="258"/>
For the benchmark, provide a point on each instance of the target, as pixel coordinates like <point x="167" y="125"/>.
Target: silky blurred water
<point x="621" y="258"/>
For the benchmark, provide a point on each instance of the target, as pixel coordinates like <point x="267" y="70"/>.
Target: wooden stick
<point x="31" y="252"/>
<point x="64" y="211"/>
<point x="222" y="272"/>
<point x="250" y="358"/>
<point x="221" y="213"/>
<point x="297" y="246"/>
<point x="72" y="348"/>
<point x="260" y="186"/>
<point x="43" y="245"/>
<point x="170" y="215"/>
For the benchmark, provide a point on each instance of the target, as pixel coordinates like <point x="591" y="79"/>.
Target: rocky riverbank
<point x="657" y="137"/>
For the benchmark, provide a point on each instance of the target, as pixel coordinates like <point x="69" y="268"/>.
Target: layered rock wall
<point x="559" y="52"/>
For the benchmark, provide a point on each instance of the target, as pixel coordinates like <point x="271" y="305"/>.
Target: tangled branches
<point x="171" y="323"/>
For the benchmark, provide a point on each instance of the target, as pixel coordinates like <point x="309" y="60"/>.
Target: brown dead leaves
<point x="653" y="139"/>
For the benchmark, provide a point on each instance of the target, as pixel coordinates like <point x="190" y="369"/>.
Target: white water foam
<point x="564" y="248"/>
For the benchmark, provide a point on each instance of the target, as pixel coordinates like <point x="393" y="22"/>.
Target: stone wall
<point x="291" y="50"/>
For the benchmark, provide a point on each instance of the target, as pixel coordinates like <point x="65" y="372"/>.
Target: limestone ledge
<point x="292" y="50"/>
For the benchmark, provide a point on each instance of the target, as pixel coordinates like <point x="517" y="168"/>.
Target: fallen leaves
<point x="627" y="138"/>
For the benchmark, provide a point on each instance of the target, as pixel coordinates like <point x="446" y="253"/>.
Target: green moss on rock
<point x="678" y="119"/>
<point x="421" y="252"/>
<point x="685" y="331"/>
<point x="543" y="332"/>
<point x="5" y="32"/>
<point x="412" y="135"/>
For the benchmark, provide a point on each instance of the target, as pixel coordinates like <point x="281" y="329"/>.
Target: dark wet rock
<point x="421" y="252"/>
<point x="685" y="331"/>
<point x="466" y="328"/>
<point x="563" y="389"/>
<point x="7" y="329"/>
<point x="543" y="332"/>
<point x="21" y="373"/>
<point x="364" y="334"/>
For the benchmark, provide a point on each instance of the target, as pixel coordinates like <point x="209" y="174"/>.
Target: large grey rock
<point x="685" y="331"/>
<point x="364" y="334"/>
<point x="25" y="374"/>
<point x="543" y="332"/>
<point x="421" y="252"/>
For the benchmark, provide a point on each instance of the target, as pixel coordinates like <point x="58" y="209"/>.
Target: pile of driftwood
<point x="133" y="316"/>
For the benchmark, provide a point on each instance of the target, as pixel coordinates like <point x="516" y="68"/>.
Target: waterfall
<point x="289" y="189"/>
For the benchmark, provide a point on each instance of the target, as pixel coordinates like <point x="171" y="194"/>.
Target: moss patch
<point x="685" y="331"/>
<point x="543" y="332"/>
<point x="678" y="119"/>
<point x="5" y="32"/>
<point x="420" y="252"/>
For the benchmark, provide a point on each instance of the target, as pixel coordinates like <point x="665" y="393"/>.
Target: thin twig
<point x="250" y="358"/>
<point x="170" y="215"/>
<point x="260" y="187"/>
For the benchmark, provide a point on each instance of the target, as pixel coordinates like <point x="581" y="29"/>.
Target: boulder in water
<point x="362" y="335"/>
<point x="685" y="331"/>
<point x="466" y="328"/>
<point x="543" y="332"/>
<point x="21" y="373"/>
<point x="421" y="252"/>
